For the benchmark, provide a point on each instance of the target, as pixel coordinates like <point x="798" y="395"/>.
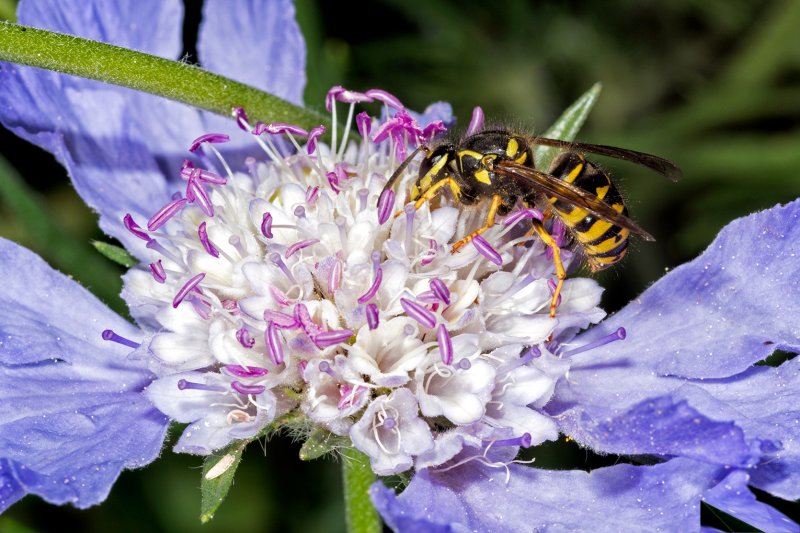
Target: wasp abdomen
<point x="603" y="243"/>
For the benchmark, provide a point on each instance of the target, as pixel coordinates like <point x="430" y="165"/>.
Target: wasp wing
<point x="569" y="193"/>
<point x="663" y="166"/>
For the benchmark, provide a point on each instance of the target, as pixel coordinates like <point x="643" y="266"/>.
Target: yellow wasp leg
<point x="560" y="272"/>
<point x="431" y="193"/>
<point x="496" y="202"/>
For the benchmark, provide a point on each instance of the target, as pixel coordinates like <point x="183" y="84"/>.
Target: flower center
<point x="293" y="287"/>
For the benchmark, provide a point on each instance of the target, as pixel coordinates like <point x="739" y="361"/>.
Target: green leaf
<point x="116" y="254"/>
<point x="148" y="73"/>
<point x="218" y="471"/>
<point x="567" y="125"/>
<point x="321" y="442"/>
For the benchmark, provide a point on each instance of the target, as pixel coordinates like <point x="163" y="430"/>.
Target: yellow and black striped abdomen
<point x="603" y="243"/>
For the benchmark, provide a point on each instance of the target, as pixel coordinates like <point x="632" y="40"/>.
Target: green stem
<point x="358" y="476"/>
<point x="144" y="72"/>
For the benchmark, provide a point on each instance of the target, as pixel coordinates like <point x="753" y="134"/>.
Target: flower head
<point x="278" y="275"/>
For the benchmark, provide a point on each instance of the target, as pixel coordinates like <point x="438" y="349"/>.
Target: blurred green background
<point x="712" y="84"/>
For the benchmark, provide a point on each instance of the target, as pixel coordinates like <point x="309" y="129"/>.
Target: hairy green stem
<point x="144" y="72"/>
<point x="358" y="476"/>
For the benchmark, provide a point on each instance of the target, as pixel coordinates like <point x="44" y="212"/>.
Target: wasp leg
<point x="435" y="189"/>
<point x="560" y="272"/>
<point x="497" y="201"/>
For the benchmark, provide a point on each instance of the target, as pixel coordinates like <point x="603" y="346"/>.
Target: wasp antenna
<point x="389" y="184"/>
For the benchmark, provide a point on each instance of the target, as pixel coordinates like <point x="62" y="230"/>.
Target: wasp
<point x="499" y="166"/>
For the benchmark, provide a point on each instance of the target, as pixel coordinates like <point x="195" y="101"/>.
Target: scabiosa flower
<point x="285" y="283"/>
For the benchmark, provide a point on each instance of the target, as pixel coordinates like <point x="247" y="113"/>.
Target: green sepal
<point x="116" y="254"/>
<point x="218" y="471"/>
<point x="321" y="442"/>
<point x="566" y="127"/>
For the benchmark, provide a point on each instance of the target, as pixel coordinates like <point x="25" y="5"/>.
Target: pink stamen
<point x="313" y="136"/>
<point x="205" y="241"/>
<point x="165" y="213"/>
<point x="134" y="228"/>
<point x="241" y="388"/>
<point x="240" y="116"/>
<point x="208" y="138"/>
<point x="191" y="284"/>
<point x="419" y="313"/>
<point x="246" y="372"/>
<point x="445" y="344"/>
<point x="157" y="270"/>
<point x="266" y="225"/>
<point x="296" y="247"/>
<point x="486" y="250"/>
<point x="476" y="123"/>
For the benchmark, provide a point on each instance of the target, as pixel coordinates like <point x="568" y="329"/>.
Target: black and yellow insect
<point x="499" y="165"/>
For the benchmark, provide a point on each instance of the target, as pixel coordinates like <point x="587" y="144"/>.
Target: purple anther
<point x="300" y="211"/>
<point x="205" y="241"/>
<point x="246" y="371"/>
<point x="277" y="128"/>
<point x="196" y="193"/>
<point x="410" y="210"/>
<point x="440" y="289"/>
<point x="428" y="297"/>
<point x="165" y="213"/>
<point x="134" y="228"/>
<point x="335" y="277"/>
<point x="278" y="296"/>
<point x="418" y="312"/>
<point x="464" y="364"/>
<point x="552" y="285"/>
<point x="208" y="138"/>
<point x="232" y="306"/>
<point x="191" y="284"/>
<point x="430" y="254"/>
<point x="241" y="388"/>
<point x="281" y="320"/>
<point x="445" y="344"/>
<point x="241" y="118"/>
<point x="303" y="317"/>
<point x="273" y="342"/>
<point x="617" y="335"/>
<point x="325" y="366"/>
<point x="373" y="289"/>
<point x="244" y="338"/>
<point x="364" y="124"/>
<point x="385" y="97"/>
<point x="373" y="319"/>
<point x="559" y="233"/>
<point x="401" y="123"/>
<point x="209" y="177"/>
<point x="313" y="137"/>
<point x="389" y="422"/>
<point x="331" y="338"/>
<point x="191" y="385"/>
<point x="312" y="192"/>
<point x="186" y="169"/>
<point x="109" y="335"/>
<point x="385" y="205"/>
<point x="522" y="214"/>
<point x="333" y="92"/>
<point x="476" y="123"/>
<point x="350" y="97"/>
<point x="486" y="250"/>
<point x="525" y="441"/>
<point x="200" y="306"/>
<point x="157" y="270"/>
<point x="296" y="247"/>
<point x="431" y="130"/>
<point x="266" y="225"/>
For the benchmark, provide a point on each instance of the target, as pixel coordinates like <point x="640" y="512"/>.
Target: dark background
<point x="711" y="84"/>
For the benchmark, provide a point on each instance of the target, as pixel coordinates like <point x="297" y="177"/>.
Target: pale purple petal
<point x="711" y="317"/>
<point x="733" y="497"/>
<point x="71" y="406"/>
<point x="475" y="497"/>
<point x="717" y="315"/>
<point x="115" y="143"/>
